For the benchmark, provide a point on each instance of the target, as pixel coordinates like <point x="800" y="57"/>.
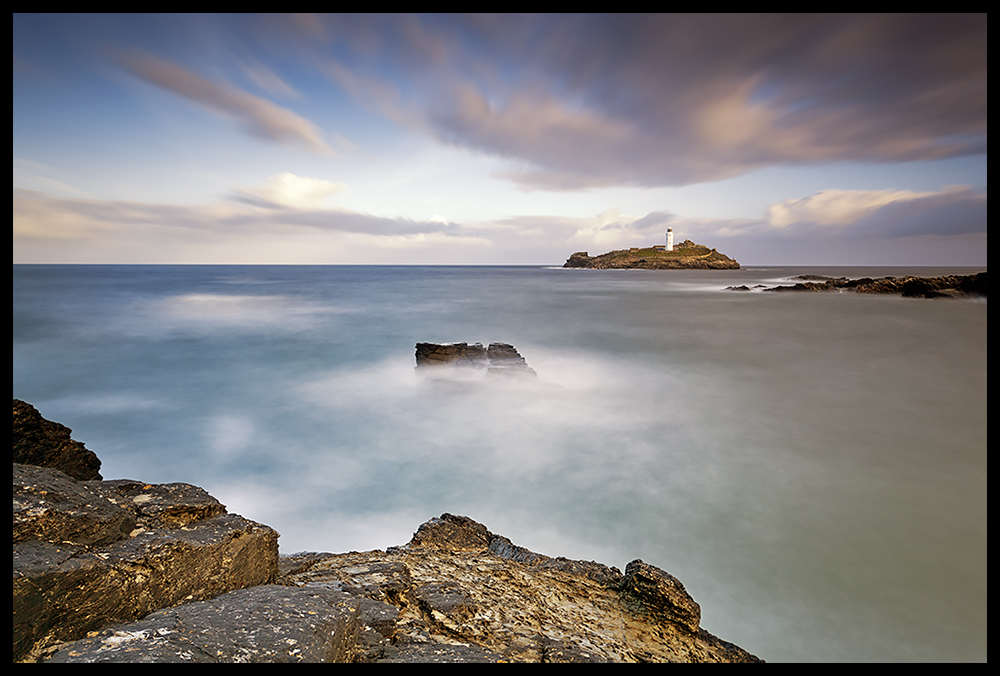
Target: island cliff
<point x="125" y="571"/>
<point x="687" y="255"/>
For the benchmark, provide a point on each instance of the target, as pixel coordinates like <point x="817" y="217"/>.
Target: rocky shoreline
<point x="685" y="256"/>
<point x="945" y="286"/>
<point x="125" y="571"/>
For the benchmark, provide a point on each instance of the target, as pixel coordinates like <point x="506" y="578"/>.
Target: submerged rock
<point x="496" y="359"/>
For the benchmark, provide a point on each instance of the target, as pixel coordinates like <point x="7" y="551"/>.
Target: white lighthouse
<point x="670" y="239"/>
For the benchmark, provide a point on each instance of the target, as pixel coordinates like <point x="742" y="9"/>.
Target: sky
<point x="498" y="139"/>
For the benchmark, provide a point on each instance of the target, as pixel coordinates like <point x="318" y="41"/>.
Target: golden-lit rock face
<point x="456" y="584"/>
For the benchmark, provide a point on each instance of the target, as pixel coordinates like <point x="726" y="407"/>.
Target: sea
<point x="812" y="466"/>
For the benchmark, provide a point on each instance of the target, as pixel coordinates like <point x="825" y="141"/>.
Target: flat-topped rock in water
<point x="495" y="359"/>
<point x="685" y="256"/>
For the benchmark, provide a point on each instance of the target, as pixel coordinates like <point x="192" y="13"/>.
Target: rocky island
<point x="685" y="256"/>
<point x="125" y="571"/>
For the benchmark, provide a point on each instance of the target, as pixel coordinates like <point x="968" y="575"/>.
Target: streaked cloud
<point x="736" y="130"/>
<point x="259" y="117"/>
<point x="836" y="207"/>
<point x="891" y="212"/>
<point x="578" y="102"/>
<point x="240" y="232"/>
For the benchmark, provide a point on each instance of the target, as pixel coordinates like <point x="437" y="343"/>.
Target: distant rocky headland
<point x="685" y="256"/>
<point x="126" y="571"/>
<point x="945" y="286"/>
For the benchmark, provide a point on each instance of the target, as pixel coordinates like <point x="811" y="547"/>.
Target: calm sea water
<point x="811" y="466"/>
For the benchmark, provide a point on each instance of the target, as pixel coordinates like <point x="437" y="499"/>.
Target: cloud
<point x="823" y="228"/>
<point x="68" y="230"/>
<point x="576" y="102"/>
<point x="855" y="227"/>
<point x="956" y="210"/>
<point x="259" y="117"/>
<point x="836" y="207"/>
<point x="292" y="191"/>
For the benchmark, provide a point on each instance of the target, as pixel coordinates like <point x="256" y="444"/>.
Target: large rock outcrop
<point x="685" y="256"/>
<point x="123" y="571"/>
<point x="457" y="584"/>
<point x="87" y="554"/>
<point x="455" y="593"/>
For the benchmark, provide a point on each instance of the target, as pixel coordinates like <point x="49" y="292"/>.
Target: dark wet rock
<point x="495" y="359"/>
<point x="744" y="287"/>
<point x="945" y="286"/>
<point x="580" y="259"/>
<point x="38" y="441"/>
<point x="51" y="506"/>
<point x="440" y="653"/>
<point x="451" y="354"/>
<point x="661" y="594"/>
<point x="270" y="623"/>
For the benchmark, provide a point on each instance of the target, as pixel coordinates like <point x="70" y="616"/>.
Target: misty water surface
<point x="812" y="467"/>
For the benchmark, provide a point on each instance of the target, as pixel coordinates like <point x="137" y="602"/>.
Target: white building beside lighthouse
<point x="670" y="239"/>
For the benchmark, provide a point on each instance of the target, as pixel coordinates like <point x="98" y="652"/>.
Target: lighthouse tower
<point x="670" y="239"/>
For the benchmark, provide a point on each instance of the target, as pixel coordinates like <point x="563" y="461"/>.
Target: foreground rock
<point x="87" y="554"/>
<point x="269" y="623"/>
<point x="945" y="286"/>
<point x="457" y="584"/>
<point x="685" y="256"/>
<point x="496" y="359"/>
<point x="122" y="571"/>
<point x="454" y="593"/>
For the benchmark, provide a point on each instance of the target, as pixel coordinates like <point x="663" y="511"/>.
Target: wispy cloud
<point x="952" y="211"/>
<point x="259" y="117"/>
<point x="88" y="230"/>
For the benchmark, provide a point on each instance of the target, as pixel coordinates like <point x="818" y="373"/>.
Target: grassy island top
<point x="687" y="254"/>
